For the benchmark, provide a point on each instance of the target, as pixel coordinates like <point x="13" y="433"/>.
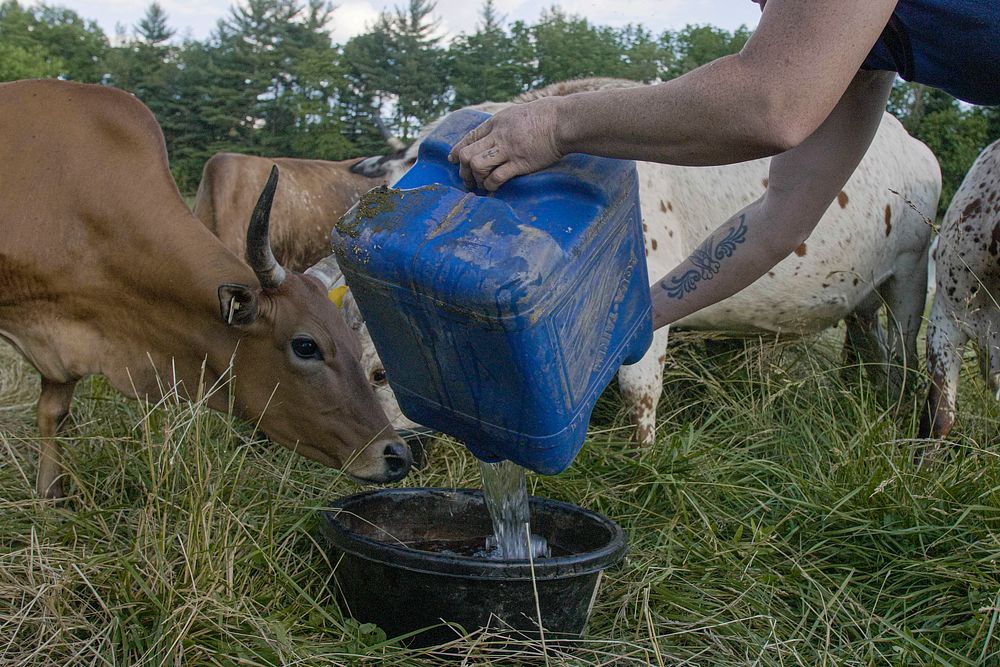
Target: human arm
<point x="801" y="185"/>
<point x="759" y="102"/>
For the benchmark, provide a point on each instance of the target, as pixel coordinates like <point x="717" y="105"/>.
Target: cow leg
<point x="945" y="341"/>
<point x="53" y="409"/>
<point x="641" y="385"/>
<point x="864" y="340"/>
<point x="989" y="355"/>
<point x="905" y="299"/>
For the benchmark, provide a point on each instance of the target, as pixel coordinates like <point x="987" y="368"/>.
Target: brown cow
<point x="103" y="269"/>
<point x="312" y="196"/>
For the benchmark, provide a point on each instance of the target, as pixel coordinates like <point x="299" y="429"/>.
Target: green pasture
<point x="779" y="520"/>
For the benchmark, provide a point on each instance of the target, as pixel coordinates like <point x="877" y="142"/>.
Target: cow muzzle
<point x="391" y="465"/>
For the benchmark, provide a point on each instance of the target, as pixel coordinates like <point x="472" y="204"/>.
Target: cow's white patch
<point x="848" y="259"/>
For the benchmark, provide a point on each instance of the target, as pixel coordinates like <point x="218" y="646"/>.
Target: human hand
<point x="520" y="139"/>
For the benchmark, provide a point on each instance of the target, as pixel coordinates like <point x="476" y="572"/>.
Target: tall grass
<point x="778" y="521"/>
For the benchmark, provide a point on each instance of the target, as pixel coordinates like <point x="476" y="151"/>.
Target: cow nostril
<point x="397" y="460"/>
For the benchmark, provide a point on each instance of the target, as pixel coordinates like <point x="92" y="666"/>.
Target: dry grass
<point x="779" y="521"/>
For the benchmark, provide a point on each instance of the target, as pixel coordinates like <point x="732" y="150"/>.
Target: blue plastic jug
<point x="501" y="318"/>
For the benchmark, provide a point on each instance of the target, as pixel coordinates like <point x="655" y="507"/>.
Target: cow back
<point x="883" y="211"/>
<point x="311" y="197"/>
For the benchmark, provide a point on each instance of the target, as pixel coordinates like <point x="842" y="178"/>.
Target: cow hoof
<point x="644" y="438"/>
<point x="51" y="491"/>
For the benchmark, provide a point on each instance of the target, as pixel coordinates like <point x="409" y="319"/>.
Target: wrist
<point x="566" y="127"/>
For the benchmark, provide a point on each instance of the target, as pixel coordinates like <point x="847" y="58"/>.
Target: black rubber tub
<point x="397" y="563"/>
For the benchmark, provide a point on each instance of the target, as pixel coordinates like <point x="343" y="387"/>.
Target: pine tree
<point x="642" y="57"/>
<point x="696" y="45"/>
<point x="569" y="47"/>
<point x="399" y="68"/>
<point x="420" y="77"/>
<point x="288" y="64"/>
<point x="208" y="111"/>
<point x="152" y="28"/>
<point x="484" y="66"/>
<point x="365" y="87"/>
<point x="145" y="64"/>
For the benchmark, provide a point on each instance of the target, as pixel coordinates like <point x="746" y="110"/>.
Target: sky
<point x="197" y="18"/>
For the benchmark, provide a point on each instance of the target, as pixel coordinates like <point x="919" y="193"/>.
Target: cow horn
<point x="394" y="142"/>
<point x="258" y="253"/>
<point x="327" y="271"/>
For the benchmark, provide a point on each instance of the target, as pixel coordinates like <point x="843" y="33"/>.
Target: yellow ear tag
<point x="337" y="295"/>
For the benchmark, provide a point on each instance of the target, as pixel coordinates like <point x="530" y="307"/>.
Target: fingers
<point x="499" y="176"/>
<point x="478" y="160"/>
<point x="465" y="156"/>
<point x="476" y="154"/>
<point x="472" y="137"/>
<point x="520" y="135"/>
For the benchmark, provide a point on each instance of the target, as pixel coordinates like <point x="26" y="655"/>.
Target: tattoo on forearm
<point x="706" y="259"/>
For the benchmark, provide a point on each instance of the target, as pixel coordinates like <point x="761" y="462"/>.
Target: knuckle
<point x="467" y="153"/>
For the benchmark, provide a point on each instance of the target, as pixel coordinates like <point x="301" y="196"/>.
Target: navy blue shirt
<point x="949" y="44"/>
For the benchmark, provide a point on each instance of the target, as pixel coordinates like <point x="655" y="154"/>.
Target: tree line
<point x="269" y="80"/>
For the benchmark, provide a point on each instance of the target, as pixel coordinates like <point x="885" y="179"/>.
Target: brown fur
<point x="311" y="197"/>
<point x="103" y="270"/>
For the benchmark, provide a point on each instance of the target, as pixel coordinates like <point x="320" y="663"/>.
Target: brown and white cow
<point x="967" y="273"/>
<point x="869" y="250"/>
<point x="310" y="198"/>
<point x="103" y="270"/>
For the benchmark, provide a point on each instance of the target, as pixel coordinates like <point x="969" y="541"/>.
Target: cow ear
<point x="238" y="304"/>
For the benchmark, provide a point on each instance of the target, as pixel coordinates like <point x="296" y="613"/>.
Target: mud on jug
<point x="500" y="318"/>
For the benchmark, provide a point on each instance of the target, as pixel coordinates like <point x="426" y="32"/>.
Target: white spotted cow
<point x="869" y="250"/>
<point x="967" y="273"/>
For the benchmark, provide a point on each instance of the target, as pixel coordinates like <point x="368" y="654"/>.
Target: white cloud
<point x="350" y="18"/>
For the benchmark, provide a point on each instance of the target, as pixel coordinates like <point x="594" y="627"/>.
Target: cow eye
<point x="305" y="347"/>
<point x="378" y="377"/>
